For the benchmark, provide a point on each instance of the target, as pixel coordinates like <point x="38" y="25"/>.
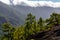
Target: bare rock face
<point x="53" y="34"/>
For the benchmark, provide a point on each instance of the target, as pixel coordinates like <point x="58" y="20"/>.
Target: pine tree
<point x="54" y="19"/>
<point x="29" y="21"/>
<point x="8" y="31"/>
<point x="41" y="23"/>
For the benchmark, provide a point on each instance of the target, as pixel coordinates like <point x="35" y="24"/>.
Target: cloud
<point x="33" y="3"/>
<point x="5" y="1"/>
<point x="19" y="1"/>
<point x="41" y="3"/>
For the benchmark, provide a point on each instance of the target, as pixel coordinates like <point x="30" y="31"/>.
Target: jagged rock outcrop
<point x="53" y="34"/>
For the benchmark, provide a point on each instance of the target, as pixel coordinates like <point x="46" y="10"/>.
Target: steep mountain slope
<point x="10" y="15"/>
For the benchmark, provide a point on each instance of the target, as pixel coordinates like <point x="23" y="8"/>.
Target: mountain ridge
<point x="43" y="12"/>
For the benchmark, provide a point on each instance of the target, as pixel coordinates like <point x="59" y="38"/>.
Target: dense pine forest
<point x="30" y="28"/>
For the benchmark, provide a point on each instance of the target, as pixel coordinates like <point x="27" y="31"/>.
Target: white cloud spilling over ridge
<point x="41" y="3"/>
<point x="33" y="3"/>
<point x="5" y="1"/>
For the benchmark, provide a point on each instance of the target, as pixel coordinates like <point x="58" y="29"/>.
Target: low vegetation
<point x="31" y="26"/>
